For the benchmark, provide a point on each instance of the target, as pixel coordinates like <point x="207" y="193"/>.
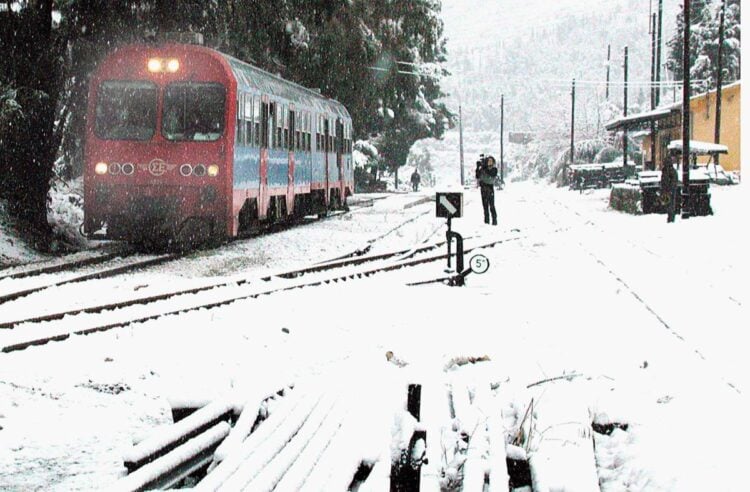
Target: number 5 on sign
<point x="479" y="264"/>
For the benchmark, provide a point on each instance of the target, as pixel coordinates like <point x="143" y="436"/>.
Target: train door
<point x="340" y="159"/>
<point x="326" y="150"/>
<point x="265" y="125"/>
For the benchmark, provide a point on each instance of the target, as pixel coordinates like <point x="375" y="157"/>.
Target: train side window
<point x="265" y="122"/>
<point x="256" y="121"/>
<point x="272" y="125"/>
<point x="248" y="119"/>
<point x="238" y="129"/>
<point x="287" y="123"/>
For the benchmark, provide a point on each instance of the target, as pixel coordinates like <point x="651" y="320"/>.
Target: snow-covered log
<point x="175" y="465"/>
<point x="263" y="453"/>
<point x="563" y="458"/>
<point x="435" y="420"/>
<point x="244" y="425"/>
<point x="490" y="408"/>
<point x="272" y="472"/>
<point x="284" y="413"/>
<point x="172" y="436"/>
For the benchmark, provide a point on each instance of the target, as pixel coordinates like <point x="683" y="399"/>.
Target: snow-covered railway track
<point x="19" y="335"/>
<point x="72" y="262"/>
<point x="650" y="296"/>
<point x="109" y="267"/>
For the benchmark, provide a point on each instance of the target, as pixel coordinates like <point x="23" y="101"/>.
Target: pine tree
<point x="704" y="43"/>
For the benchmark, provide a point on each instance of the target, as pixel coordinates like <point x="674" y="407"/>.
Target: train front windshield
<point x="193" y="111"/>
<point x="126" y="110"/>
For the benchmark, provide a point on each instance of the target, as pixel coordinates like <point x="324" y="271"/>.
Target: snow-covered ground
<point x="646" y="319"/>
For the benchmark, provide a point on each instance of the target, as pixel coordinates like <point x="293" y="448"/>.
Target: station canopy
<point x="642" y="121"/>
<point x="699" y="148"/>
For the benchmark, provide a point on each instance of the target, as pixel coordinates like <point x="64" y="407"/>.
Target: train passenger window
<point x="256" y="121"/>
<point x="272" y="125"/>
<point x="193" y="111"/>
<point x="264" y="122"/>
<point x="238" y="130"/>
<point x="248" y="120"/>
<point x="126" y="110"/>
<point x="286" y="128"/>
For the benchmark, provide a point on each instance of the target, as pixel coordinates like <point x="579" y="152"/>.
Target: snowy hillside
<point x="530" y="51"/>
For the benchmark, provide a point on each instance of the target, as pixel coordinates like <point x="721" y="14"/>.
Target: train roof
<point x="251" y="78"/>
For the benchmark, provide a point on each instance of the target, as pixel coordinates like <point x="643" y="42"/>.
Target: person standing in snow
<point x="415" y="180"/>
<point x="669" y="187"/>
<point x="486" y="173"/>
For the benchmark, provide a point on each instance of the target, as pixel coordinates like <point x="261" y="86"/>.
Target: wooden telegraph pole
<point x="686" y="111"/>
<point x="502" y="138"/>
<point x="461" y="141"/>
<point x="719" y="78"/>
<point x="658" y="54"/>
<point x="609" y="55"/>
<point x="572" y="128"/>
<point x="652" y="166"/>
<point x="625" y="112"/>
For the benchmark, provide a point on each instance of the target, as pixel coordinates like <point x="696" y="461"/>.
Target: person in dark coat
<point x="415" y="180"/>
<point x="486" y="173"/>
<point x="669" y="187"/>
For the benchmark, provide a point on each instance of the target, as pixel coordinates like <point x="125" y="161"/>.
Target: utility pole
<point x="686" y="112"/>
<point x="461" y="141"/>
<point x="719" y="78"/>
<point x="625" y="112"/>
<point x="572" y="129"/>
<point x="502" y="138"/>
<point x="658" y="54"/>
<point x="609" y="54"/>
<point x="652" y="165"/>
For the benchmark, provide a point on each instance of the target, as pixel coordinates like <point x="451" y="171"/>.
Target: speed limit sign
<point x="479" y="264"/>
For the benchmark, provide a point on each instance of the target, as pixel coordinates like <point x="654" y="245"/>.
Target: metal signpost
<point x="450" y="205"/>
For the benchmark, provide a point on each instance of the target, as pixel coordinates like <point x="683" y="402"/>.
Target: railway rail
<point x="342" y="270"/>
<point x="87" y="260"/>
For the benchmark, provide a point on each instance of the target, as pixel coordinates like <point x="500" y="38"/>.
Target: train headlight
<point x="114" y="168"/>
<point x="155" y="65"/>
<point x="128" y="168"/>
<point x="213" y="170"/>
<point x="101" y="168"/>
<point x="173" y="65"/>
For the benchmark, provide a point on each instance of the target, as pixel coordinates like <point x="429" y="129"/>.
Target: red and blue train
<point x="185" y="144"/>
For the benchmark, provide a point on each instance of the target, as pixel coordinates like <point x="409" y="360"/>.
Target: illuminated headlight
<point x="114" y="168"/>
<point x="128" y="169"/>
<point x="186" y="170"/>
<point x="199" y="170"/>
<point x="101" y="168"/>
<point x="213" y="170"/>
<point x="155" y="65"/>
<point x="173" y="65"/>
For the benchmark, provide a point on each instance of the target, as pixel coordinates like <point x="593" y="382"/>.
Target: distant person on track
<point x="415" y="180"/>
<point x="669" y="187"/>
<point x="486" y="173"/>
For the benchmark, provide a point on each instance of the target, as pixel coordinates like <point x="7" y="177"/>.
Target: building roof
<point x="637" y="121"/>
<point x="640" y="120"/>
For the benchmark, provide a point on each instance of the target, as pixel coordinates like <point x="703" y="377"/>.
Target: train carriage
<point x="186" y="144"/>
